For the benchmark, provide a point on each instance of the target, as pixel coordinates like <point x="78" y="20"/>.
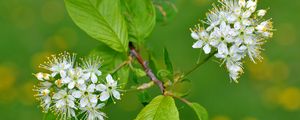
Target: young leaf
<point x="139" y="72"/>
<point x="168" y="61"/>
<point x="102" y="20"/>
<point x="165" y="10"/>
<point x="144" y="97"/>
<point x="140" y="16"/>
<point x="200" y="111"/>
<point x="160" y="108"/>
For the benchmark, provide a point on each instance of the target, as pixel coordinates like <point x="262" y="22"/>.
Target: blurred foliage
<point x="270" y="90"/>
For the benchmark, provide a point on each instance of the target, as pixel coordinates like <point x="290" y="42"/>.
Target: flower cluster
<point x="70" y="90"/>
<point x="233" y="30"/>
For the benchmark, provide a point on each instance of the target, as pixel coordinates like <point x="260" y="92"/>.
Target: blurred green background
<point x="30" y="30"/>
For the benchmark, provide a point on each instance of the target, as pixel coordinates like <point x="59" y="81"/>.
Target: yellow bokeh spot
<point x="266" y="70"/>
<point x="8" y="78"/>
<point x="220" y="117"/>
<point x="260" y="70"/>
<point x="7" y="82"/>
<point x="289" y="98"/>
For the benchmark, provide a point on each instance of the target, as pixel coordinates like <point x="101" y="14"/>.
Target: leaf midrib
<point x="107" y="24"/>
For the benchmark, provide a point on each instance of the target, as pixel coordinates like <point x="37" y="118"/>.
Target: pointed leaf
<point x="102" y="20"/>
<point x="200" y="111"/>
<point x="140" y="16"/>
<point x="160" y="108"/>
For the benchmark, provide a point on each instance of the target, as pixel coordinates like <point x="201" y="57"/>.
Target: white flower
<point x="91" y="67"/>
<point x="43" y="96"/>
<point x="75" y="77"/>
<point x="86" y="96"/>
<point x="110" y="88"/>
<point x="234" y="31"/>
<point x="59" y="64"/>
<point x="64" y="104"/>
<point x="69" y="90"/>
<point x="93" y="112"/>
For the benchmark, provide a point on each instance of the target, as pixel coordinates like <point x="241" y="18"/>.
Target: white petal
<point x="207" y="49"/>
<point x="71" y="104"/>
<point x="104" y="96"/>
<point x="82" y="87"/>
<point x="101" y="105"/>
<point x="66" y="80"/>
<point x="60" y="103"/>
<point x="80" y="81"/>
<point x="86" y="76"/>
<point x="83" y="102"/>
<point x="39" y="76"/>
<point x="71" y="85"/>
<point x="198" y="44"/>
<point x="109" y="79"/>
<point x="91" y="88"/>
<point x="62" y="73"/>
<point x="246" y="14"/>
<point x="195" y="35"/>
<point x="93" y="98"/>
<point x="76" y="94"/>
<point x="98" y="72"/>
<point x="116" y="94"/>
<point x="222" y="48"/>
<point x="101" y="87"/>
<point x="94" y="78"/>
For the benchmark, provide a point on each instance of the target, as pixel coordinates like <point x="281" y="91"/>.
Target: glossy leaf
<point x="160" y="108"/>
<point x="140" y="16"/>
<point x="102" y="20"/>
<point x="200" y="111"/>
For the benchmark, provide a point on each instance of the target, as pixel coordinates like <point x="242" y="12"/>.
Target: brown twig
<point x="146" y="68"/>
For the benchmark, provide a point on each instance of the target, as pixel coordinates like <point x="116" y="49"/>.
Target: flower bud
<point x="261" y="13"/>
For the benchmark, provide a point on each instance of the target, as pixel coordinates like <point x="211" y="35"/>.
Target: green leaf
<point x="102" y="20"/>
<point x="165" y="9"/>
<point x="112" y="59"/>
<point x="200" y="111"/>
<point x="168" y="61"/>
<point x="144" y="97"/>
<point x="160" y="108"/>
<point x="141" y="18"/>
<point x="107" y="55"/>
<point x="139" y="72"/>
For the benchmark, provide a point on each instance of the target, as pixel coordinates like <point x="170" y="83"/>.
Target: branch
<point x="146" y="68"/>
<point x="200" y="63"/>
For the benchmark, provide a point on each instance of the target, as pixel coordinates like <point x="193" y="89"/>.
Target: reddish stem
<point x="146" y="68"/>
